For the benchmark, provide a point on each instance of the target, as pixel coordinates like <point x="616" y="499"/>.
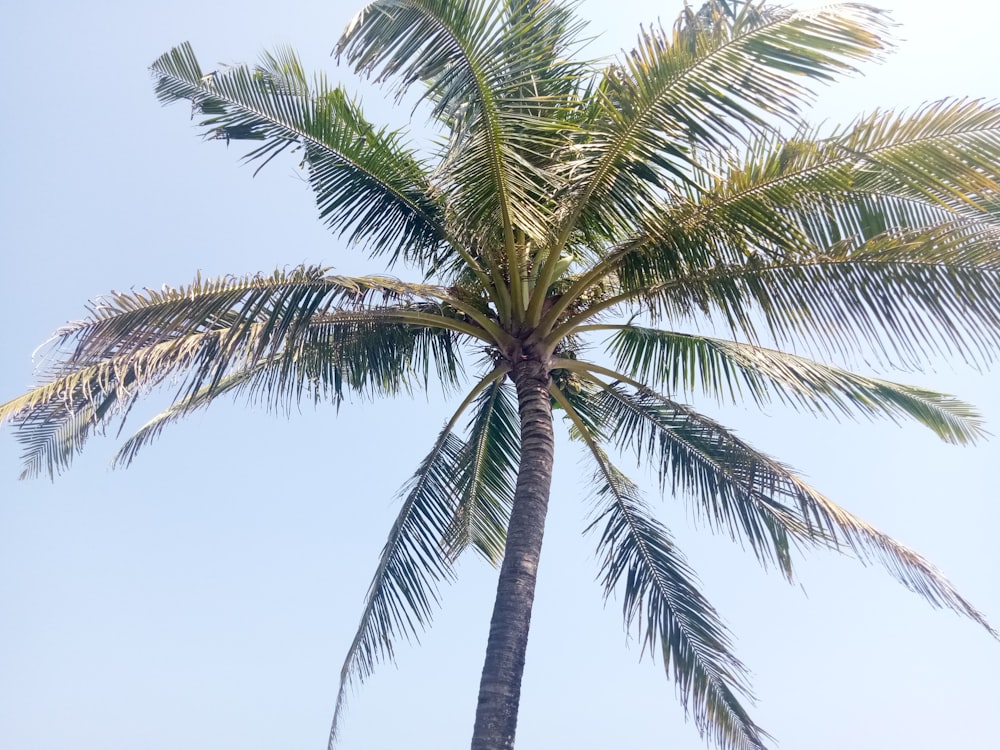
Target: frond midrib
<point x="493" y="141"/>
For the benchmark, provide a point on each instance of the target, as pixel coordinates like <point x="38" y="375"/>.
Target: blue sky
<point x="205" y="597"/>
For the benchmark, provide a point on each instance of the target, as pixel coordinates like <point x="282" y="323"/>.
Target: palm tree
<point x="569" y="204"/>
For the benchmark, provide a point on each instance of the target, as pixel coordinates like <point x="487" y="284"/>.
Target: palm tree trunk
<point x="500" y="686"/>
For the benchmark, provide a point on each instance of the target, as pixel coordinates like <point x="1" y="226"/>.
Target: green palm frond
<point x="414" y="561"/>
<point x="886" y="172"/>
<point x="898" y="296"/>
<point x="369" y="185"/>
<point x="683" y="363"/>
<point x="732" y="487"/>
<point x="421" y="549"/>
<point x="798" y="197"/>
<point x="676" y="184"/>
<point x="489" y="470"/>
<point x="256" y="313"/>
<point x="507" y="107"/>
<point x="444" y="45"/>
<point x="709" y="87"/>
<point x="737" y="488"/>
<point x="210" y="331"/>
<point x="945" y="152"/>
<point x="538" y="42"/>
<point x="437" y="43"/>
<point x="368" y="359"/>
<point x="468" y="54"/>
<point x="662" y="601"/>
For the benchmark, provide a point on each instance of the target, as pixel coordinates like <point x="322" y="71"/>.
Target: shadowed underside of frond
<point x="369" y="359"/>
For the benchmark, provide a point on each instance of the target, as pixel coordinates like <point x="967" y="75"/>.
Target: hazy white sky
<point x="206" y="596"/>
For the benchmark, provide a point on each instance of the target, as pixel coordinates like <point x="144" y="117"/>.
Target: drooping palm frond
<point x="369" y="185"/>
<point x="489" y="470"/>
<point x="420" y="551"/>
<point x="901" y="295"/>
<point x="53" y="421"/>
<point x="370" y="359"/>
<point x="404" y="589"/>
<point x="257" y="314"/>
<point x="235" y="383"/>
<point x="371" y="330"/>
<point x="354" y="351"/>
<point x="661" y="601"/>
<point x="684" y="363"/>
<point x="732" y="488"/>
<point x="52" y="437"/>
<point x="738" y="489"/>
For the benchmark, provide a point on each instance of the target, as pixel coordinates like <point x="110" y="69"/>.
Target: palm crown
<point x="570" y="204"/>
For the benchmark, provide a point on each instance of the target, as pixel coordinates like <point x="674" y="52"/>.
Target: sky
<point x="205" y="597"/>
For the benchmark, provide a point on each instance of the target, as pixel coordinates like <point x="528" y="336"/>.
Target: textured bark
<point x="500" y="686"/>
